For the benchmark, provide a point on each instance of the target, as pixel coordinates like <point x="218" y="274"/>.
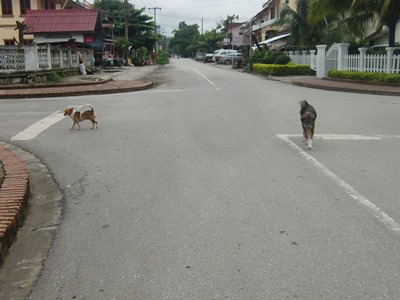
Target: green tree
<point x="140" y="26"/>
<point x="359" y="13"/>
<point x="184" y="40"/>
<point x="209" y="41"/>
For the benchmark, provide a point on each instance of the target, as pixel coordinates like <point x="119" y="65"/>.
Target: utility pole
<point x="155" y="20"/>
<point x="126" y="56"/>
<point x="126" y="19"/>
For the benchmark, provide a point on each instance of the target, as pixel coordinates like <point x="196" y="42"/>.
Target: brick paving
<point x="14" y="193"/>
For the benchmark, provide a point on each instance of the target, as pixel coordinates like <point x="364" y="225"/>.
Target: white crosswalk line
<point x="34" y="130"/>
<point x="387" y="221"/>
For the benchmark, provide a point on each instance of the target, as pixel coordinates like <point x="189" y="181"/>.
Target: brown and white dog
<point x="308" y="115"/>
<point x="78" y="116"/>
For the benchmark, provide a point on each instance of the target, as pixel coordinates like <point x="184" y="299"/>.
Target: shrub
<point x="282" y="70"/>
<point x="365" y="76"/>
<point x="138" y="62"/>
<point x="282" y="59"/>
<point x="53" y="77"/>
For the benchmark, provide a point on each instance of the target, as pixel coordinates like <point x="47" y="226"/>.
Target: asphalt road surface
<point x="202" y="189"/>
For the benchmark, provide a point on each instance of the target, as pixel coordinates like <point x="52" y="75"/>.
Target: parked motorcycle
<point x="119" y="62"/>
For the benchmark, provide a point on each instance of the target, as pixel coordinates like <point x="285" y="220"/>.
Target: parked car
<point x="227" y="59"/>
<point x="208" y="57"/>
<point x="200" y="56"/>
<point x="218" y="53"/>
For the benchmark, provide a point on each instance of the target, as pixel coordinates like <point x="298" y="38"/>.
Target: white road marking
<point x="387" y="221"/>
<point x="201" y="74"/>
<point x="354" y="137"/>
<point x="37" y="128"/>
<point x="177" y="91"/>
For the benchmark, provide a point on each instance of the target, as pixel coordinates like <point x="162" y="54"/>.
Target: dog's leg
<point x="309" y="144"/>
<point x="94" y="123"/>
<point x="76" y="123"/>
<point x="308" y="138"/>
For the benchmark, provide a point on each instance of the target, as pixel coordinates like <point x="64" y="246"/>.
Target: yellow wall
<point x="8" y="25"/>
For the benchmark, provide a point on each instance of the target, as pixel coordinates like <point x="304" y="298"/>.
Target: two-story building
<point x="234" y="37"/>
<point x="13" y="11"/>
<point x="262" y="28"/>
<point x="261" y="25"/>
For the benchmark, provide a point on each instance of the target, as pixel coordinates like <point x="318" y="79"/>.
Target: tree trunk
<point x="392" y="33"/>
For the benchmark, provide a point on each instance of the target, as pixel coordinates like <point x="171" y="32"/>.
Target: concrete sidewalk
<point x="130" y="79"/>
<point x="346" y="86"/>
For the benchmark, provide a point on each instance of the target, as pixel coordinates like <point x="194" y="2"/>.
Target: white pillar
<point x="389" y="59"/>
<point x="362" y="57"/>
<point x="343" y="51"/>
<point x="312" y="59"/>
<point x="49" y="66"/>
<point x="321" y="61"/>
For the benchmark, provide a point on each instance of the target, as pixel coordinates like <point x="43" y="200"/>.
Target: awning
<point x="275" y="38"/>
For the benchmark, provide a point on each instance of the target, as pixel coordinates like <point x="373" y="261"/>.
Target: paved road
<point x="202" y="189"/>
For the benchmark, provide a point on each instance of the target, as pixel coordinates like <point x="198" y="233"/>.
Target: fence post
<point x="343" y="51"/>
<point x="312" y="60"/>
<point x="31" y="58"/>
<point x="389" y="59"/>
<point x="49" y="66"/>
<point x="361" y="59"/>
<point x="321" y="61"/>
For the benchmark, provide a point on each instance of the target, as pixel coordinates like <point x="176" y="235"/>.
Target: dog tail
<point x="91" y="106"/>
<point x="303" y="103"/>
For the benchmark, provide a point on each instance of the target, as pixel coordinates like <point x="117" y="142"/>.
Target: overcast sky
<point x="205" y="13"/>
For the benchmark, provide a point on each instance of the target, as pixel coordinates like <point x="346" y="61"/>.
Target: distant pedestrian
<point x="153" y="58"/>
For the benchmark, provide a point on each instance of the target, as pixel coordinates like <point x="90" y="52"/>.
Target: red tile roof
<point x="63" y="20"/>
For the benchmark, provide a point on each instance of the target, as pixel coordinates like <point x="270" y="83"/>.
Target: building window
<point x="28" y="42"/>
<point x="25" y="5"/>
<point x="272" y="13"/>
<point x="9" y="43"/>
<point x="49" y="4"/>
<point x="6" y="6"/>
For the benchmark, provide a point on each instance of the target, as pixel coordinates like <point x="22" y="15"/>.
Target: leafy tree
<point x="360" y="13"/>
<point x="184" y="40"/>
<point x="228" y="20"/>
<point x="140" y="26"/>
<point x="209" y="41"/>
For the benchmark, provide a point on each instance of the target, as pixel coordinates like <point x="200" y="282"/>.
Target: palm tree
<point x="305" y="33"/>
<point x="359" y="13"/>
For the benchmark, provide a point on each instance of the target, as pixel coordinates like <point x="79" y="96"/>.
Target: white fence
<point x="372" y="63"/>
<point x="337" y="58"/>
<point x="42" y="58"/>
<point x="304" y="57"/>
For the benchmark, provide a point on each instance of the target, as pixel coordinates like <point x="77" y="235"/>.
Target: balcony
<point x="262" y="25"/>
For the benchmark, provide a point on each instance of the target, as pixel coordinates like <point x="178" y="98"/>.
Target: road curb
<point x="358" y="90"/>
<point x="14" y="193"/>
<point x="109" y="87"/>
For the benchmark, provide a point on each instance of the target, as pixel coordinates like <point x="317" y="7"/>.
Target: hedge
<point x="366" y="76"/>
<point x="282" y="70"/>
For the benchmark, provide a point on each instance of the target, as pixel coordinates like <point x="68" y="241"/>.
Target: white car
<point x="217" y="53"/>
